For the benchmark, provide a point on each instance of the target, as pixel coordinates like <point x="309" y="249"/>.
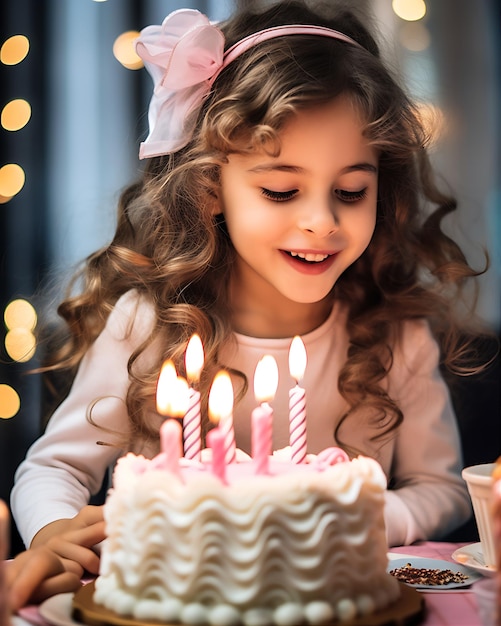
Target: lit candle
<point x="220" y="405"/>
<point x="265" y="387"/>
<point x="297" y="402"/>
<point x="194" y="359"/>
<point x="172" y="401"/>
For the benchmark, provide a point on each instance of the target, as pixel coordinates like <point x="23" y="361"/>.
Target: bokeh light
<point x="20" y="314"/>
<point x="434" y="122"/>
<point x="20" y="344"/>
<point x="409" y="10"/>
<point x="15" y="114"/>
<point x="10" y="402"/>
<point x="20" y="319"/>
<point x="12" y="179"/>
<point x="14" y="50"/>
<point x="124" y="50"/>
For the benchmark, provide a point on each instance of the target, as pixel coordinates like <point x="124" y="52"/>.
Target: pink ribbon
<point x="181" y="56"/>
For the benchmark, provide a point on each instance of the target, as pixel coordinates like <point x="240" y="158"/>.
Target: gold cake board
<point x="407" y="611"/>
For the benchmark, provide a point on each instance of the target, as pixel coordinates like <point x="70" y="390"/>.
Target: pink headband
<point x="184" y="57"/>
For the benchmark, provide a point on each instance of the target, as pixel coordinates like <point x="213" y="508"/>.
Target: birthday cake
<point x="303" y="543"/>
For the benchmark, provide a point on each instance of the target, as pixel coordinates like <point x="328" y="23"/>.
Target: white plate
<point x="58" y="610"/>
<point x="421" y="562"/>
<point x="472" y="556"/>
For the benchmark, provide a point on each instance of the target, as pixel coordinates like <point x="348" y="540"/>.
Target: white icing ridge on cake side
<point x="300" y="546"/>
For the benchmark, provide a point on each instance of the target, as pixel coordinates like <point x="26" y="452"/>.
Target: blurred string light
<point x="10" y="402"/>
<point x="19" y="316"/>
<point x="14" y="50"/>
<point x="14" y="116"/>
<point x="125" y="52"/>
<point x="20" y="320"/>
<point x="415" y="37"/>
<point x="409" y="10"/>
<point x="20" y="313"/>
<point x="12" y="180"/>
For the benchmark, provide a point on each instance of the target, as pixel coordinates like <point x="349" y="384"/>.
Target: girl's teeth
<point x="315" y="258"/>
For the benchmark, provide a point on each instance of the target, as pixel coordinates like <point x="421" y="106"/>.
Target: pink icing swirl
<point x="331" y="456"/>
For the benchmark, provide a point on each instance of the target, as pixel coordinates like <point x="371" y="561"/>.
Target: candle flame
<point x="297" y="359"/>
<point x="266" y="379"/>
<point x="166" y="380"/>
<point x="194" y="359"/>
<point x="221" y="398"/>
<point x="172" y="392"/>
<point x="180" y="397"/>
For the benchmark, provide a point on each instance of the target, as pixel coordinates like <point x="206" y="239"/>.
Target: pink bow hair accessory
<point x="181" y="56"/>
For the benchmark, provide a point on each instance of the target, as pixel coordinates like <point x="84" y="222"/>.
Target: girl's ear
<point x="216" y="207"/>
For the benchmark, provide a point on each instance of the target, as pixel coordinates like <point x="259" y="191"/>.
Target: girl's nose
<point x="319" y="218"/>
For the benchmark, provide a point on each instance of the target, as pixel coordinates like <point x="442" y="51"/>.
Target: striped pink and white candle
<point x="297" y="402"/>
<point x="192" y="422"/>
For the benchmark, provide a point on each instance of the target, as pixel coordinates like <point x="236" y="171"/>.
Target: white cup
<point x="479" y="481"/>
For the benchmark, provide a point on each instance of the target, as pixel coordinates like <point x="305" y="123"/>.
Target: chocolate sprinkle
<point x="425" y="576"/>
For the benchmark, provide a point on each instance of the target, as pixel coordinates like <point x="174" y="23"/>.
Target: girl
<point x="287" y="191"/>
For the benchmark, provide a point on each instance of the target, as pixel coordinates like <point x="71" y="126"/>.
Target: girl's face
<point x="297" y="221"/>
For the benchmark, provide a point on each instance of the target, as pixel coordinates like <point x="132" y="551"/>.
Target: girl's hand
<point x="32" y="576"/>
<point x="35" y="575"/>
<point x="73" y="539"/>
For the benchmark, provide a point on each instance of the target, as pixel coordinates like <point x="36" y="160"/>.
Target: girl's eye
<point x="279" y="196"/>
<point x="351" y="196"/>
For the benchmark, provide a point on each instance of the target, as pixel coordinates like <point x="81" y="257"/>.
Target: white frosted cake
<point x="303" y="544"/>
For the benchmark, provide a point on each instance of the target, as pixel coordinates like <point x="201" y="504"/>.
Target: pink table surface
<point x="455" y="608"/>
<point x="444" y="608"/>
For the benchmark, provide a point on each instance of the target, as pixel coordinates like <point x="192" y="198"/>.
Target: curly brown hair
<point x="170" y="247"/>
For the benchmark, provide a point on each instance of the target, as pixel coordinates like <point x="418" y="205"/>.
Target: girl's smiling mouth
<point x="310" y="257"/>
<point x="309" y="262"/>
